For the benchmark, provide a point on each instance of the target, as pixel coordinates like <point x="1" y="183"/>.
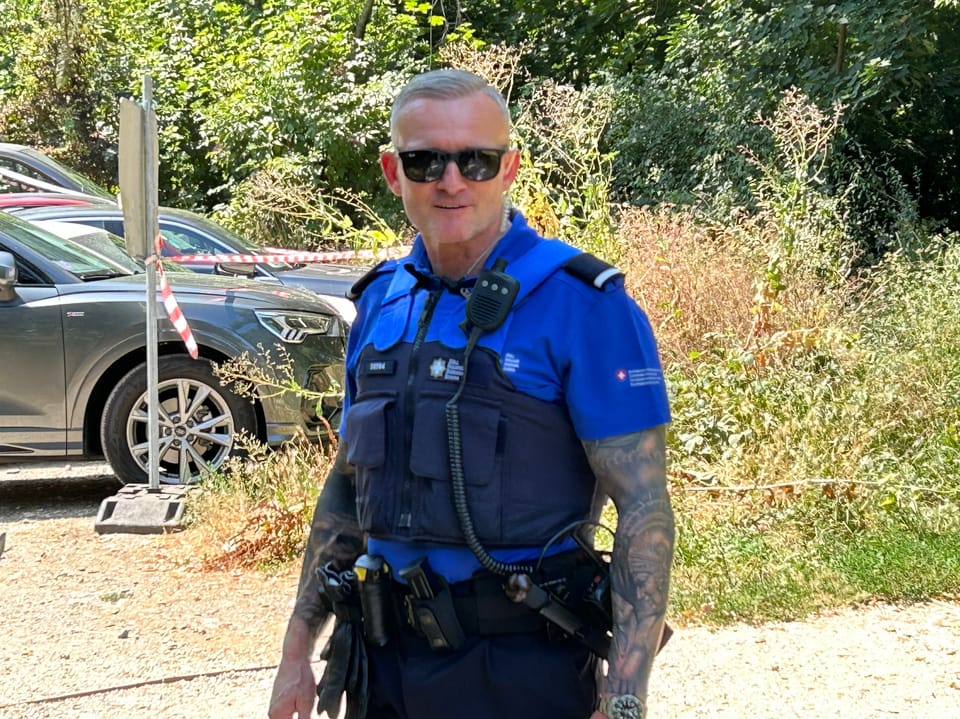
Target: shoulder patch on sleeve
<point x="360" y="285"/>
<point x="591" y="270"/>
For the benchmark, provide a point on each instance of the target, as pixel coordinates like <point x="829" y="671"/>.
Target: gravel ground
<point x="119" y="626"/>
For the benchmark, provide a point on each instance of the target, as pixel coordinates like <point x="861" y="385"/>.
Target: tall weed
<point x="910" y="325"/>
<point x="255" y="511"/>
<point x="695" y="286"/>
<point x="278" y="206"/>
<point x="563" y="186"/>
<point x="564" y="180"/>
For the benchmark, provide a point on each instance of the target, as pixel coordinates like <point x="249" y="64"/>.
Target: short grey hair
<point x="446" y="84"/>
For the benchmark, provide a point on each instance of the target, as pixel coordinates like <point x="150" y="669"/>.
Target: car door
<point x="32" y="383"/>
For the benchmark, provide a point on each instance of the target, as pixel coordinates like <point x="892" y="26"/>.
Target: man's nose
<point x="451" y="180"/>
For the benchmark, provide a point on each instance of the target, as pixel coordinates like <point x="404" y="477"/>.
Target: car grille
<point x="320" y="413"/>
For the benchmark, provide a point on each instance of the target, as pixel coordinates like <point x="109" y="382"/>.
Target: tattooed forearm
<point x="334" y="536"/>
<point x="640" y="580"/>
<point x="631" y="469"/>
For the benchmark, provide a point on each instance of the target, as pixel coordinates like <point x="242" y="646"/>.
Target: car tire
<point x="200" y="421"/>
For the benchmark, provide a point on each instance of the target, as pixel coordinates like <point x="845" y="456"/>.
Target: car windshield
<point x="102" y="243"/>
<point x="105" y="243"/>
<point x="85" y="263"/>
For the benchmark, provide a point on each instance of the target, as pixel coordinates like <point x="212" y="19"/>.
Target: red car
<point x="23" y="200"/>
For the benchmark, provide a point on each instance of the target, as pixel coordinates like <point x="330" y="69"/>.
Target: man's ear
<point x="510" y="169"/>
<point x="390" y="164"/>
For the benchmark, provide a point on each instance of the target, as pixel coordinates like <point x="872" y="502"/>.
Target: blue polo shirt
<point x="567" y="342"/>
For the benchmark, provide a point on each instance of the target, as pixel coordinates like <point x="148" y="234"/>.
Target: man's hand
<point x="294" y="690"/>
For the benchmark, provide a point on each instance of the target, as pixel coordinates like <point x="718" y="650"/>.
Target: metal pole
<point x="150" y="232"/>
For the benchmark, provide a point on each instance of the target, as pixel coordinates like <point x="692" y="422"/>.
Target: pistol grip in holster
<point x="430" y="607"/>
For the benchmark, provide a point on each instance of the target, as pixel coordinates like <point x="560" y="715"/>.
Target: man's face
<point x="452" y="209"/>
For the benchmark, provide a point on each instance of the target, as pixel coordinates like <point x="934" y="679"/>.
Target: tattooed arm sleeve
<point x="334" y="536"/>
<point x="631" y="470"/>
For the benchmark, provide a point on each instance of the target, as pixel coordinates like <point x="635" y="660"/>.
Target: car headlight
<point x="293" y="326"/>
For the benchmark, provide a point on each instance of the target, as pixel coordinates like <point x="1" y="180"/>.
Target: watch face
<point x="624" y="706"/>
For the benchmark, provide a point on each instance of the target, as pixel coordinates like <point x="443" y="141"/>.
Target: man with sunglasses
<point x="499" y="387"/>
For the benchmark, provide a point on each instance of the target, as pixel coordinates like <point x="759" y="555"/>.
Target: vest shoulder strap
<point x="360" y="285"/>
<point x="591" y="270"/>
<point x="533" y="268"/>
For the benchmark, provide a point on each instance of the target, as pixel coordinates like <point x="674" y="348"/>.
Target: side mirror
<point x="235" y="269"/>
<point x="8" y="277"/>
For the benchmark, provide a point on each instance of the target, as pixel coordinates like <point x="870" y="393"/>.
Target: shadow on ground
<point x="49" y="498"/>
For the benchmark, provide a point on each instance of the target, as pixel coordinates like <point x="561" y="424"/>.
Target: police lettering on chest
<point x="446" y="369"/>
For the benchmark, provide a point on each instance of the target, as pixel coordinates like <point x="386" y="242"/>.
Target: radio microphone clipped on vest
<point x="491" y="298"/>
<point x="489" y="305"/>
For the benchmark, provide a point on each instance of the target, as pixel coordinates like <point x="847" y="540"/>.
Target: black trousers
<point x="503" y="676"/>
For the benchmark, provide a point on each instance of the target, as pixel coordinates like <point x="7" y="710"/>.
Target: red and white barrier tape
<point x="292" y="256"/>
<point x="173" y="309"/>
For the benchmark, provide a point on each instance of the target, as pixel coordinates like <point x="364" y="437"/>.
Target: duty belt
<point x="480" y="606"/>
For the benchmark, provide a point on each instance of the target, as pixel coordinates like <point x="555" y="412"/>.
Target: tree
<point x="897" y="74"/>
<point x="57" y="88"/>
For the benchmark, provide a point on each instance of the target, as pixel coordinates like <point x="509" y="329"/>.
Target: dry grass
<point x="693" y="285"/>
<point x="702" y="287"/>
<point x="256" y="513"/>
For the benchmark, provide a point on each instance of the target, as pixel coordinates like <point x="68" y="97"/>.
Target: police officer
<point x="473" y="437"/>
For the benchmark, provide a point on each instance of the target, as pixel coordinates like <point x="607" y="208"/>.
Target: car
<point x="187" y="233"/>
<point x="107" y="245"/>
<point x="13" y="201"/>
<point x="25" y="169"/>
<point x="73" y="359"/>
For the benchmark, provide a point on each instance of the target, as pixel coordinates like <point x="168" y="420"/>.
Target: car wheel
<point x="199" y="422"/>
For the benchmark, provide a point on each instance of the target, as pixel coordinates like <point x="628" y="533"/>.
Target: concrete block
<point x="138" y="509"/>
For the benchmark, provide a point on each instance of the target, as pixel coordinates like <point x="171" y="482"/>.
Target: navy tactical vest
<point x="526" y="472"/>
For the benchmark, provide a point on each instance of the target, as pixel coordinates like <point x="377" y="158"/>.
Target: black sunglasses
<point x="474" y="164"/>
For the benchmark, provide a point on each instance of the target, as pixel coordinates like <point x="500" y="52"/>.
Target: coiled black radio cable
<point x="487" y="308"/>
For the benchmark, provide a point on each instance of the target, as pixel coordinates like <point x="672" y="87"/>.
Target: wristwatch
<point x="623" y="706"/>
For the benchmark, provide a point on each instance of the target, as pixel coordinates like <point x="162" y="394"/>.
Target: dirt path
<point x="84" y="612"/>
